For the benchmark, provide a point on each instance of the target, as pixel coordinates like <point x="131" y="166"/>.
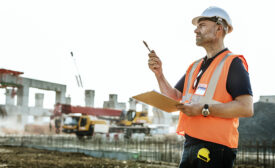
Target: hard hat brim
<point x="196" y="19"/>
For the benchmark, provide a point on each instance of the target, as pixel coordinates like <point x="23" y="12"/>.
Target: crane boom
<point x="77" y="76"/>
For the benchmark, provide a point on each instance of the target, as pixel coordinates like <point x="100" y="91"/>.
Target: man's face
<point x="205" y="33"/>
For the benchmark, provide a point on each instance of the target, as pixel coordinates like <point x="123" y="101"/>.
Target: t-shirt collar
<point x="212" y="58"/>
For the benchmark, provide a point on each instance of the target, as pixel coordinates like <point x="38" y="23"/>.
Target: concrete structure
<point x="24" y="84"/>
<point x="267" y="99"/>
<point x="145" y="107"/>
<point x="161" y="117"/>
<point x="17" y="88"/>
<point x="9" y="97"/>
<point x="89" y="98"/>
<point x="17" y="99"/>
<point x="113" y="103"/>
<point x="68" y="100"/>
<point x="132" y="104"/>
<point x="39" y="100"/>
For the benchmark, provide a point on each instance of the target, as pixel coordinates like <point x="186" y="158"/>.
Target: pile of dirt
<point x="13" y="157"/>
<point x="38" y="129"/>
<point x="261" y="126"/>
<point x="8" y="131"/>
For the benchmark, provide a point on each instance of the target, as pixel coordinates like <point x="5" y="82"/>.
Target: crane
<point x="77" y="75"/>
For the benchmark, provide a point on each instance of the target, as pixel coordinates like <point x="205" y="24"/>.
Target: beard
<point x="202" y="40"/>
<point x="199" y="41"/>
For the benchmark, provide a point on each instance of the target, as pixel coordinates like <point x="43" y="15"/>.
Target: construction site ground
<point x="22" y="157"/>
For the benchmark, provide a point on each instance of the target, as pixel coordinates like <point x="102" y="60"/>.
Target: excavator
<point x="83" y="121"/>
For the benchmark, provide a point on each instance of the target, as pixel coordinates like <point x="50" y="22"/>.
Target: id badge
<point x="201" y="89"/>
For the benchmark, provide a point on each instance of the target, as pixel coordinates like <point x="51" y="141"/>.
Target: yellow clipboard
<point x="158" y="100"/>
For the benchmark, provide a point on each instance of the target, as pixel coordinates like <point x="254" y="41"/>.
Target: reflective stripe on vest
<point x="187" y="96"/>
<point x="208" y="97"/>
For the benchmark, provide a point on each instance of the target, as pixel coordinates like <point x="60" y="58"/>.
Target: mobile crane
<point x="83" y="125"/>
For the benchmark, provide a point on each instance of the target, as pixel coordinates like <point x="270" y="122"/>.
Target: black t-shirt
<point x="237" y="84"/>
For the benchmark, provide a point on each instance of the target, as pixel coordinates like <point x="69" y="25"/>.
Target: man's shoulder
<point x="238" y="61"/>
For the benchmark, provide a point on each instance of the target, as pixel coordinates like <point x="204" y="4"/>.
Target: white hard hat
<point x="213" y="11"/>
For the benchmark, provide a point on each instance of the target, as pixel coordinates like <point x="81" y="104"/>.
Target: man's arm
<point x="167" y="89"/>
<point x="242" y="106"/>
<point x="155" y="65"/>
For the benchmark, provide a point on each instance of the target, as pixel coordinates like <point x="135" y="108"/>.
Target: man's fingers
<point x="180" y="106"/>
<point x="153" y="66"/>
<point x="156" y="66"/>
<point x="153" y="61"/>
<point x="152" y="54"/>
<point x="156" y="59"/>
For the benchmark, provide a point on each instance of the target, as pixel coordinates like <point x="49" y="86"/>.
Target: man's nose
<point x="196" y="31"/>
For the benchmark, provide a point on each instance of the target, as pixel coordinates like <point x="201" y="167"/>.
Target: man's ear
<point x="220" y="27"/>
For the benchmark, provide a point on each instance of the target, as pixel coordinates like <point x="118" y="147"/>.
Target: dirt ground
<point x="21" y="157"/>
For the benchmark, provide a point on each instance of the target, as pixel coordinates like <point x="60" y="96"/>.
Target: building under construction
<point x="17" y="110"/>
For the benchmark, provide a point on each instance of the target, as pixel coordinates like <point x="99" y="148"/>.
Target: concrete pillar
<point x="145" y="108"/>
<point x="9" y="98"/>
<point x="162" y="117"/>
<point x="68" y="100"/>
<point x="132" y="104"/>
<point x="23" y="96"/>
<point x="113" y="98"/>
<point x="39" y="99"/>
<point x="157" y="117"/>
<point x="60" y="97"/>
<point x="112" y="103"/>
<point x="89" y="98"/>
<point x="19" y="118"/>
<point x="121" y="106"/>
<point x="36" y="118"/>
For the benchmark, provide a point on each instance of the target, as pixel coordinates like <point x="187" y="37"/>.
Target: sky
<point x="36" y="37"/>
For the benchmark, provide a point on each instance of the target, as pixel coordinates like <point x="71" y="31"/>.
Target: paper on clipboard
<point x="158" y="100"/>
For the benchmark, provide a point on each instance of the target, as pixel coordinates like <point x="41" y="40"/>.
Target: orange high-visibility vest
<point x="210" y="90"/>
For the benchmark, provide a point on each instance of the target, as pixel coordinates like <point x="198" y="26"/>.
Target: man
<point x="214" y="93"/>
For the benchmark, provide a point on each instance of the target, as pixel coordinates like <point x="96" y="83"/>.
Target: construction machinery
<point x="84" y="120"/>
<point x="132" y="122"/>
<point x="83" y="125"/>
<point x="80" y="120"/>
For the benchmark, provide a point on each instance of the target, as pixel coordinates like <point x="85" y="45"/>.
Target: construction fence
<point x="154" y="150"/>
<point x="256" y="154"/>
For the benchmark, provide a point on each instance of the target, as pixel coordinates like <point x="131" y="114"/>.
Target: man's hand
<point x="190" y="109"/>
<point x="155" y="63"/>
